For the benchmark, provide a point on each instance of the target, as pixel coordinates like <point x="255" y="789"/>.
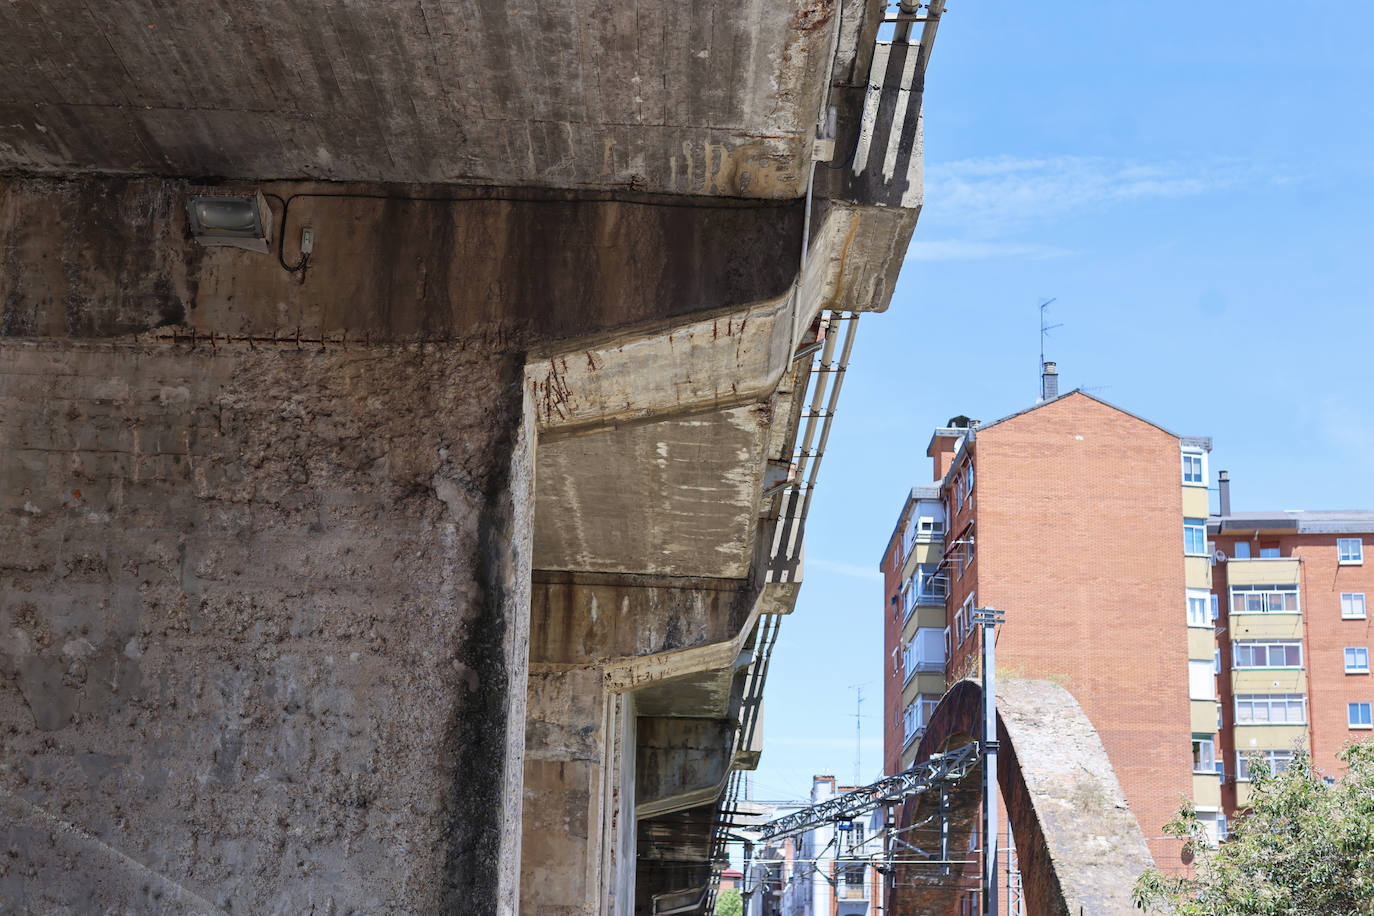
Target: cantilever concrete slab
<point x="657" y="96"/>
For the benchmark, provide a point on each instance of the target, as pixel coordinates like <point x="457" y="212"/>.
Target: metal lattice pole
<point x="989" y="618"/>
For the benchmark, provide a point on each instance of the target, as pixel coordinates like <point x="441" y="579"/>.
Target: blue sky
<point x="1194" y="186"/>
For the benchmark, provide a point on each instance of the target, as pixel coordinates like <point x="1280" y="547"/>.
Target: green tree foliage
<point x="1304" y="848"/>
<point x="728" y="903"/>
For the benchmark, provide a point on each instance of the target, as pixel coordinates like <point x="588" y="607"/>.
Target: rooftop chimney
<point x="1049" y="382"/>
<point x="1224" y="491"/>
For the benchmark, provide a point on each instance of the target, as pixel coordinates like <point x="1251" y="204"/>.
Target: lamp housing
<point x="233" y="219"/>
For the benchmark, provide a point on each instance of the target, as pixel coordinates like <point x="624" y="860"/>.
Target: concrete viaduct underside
<point x="434" y="571"/>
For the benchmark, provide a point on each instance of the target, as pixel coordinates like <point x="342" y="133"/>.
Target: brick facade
<point x="1078" y="515"/>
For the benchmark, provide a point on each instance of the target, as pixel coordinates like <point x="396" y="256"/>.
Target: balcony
<point x="1263" y="571"/>
<point x="1206" y="790"/>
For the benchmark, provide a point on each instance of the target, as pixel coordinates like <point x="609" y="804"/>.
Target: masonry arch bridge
<point x="1078" y="845"/>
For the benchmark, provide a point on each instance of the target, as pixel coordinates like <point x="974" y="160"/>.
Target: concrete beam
<point x="681" y="763"/>
<point x="502" y="269"/>
<point x="574" y="96"/>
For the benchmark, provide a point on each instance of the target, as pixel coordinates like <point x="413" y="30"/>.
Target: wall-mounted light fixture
<point x="239" y="220"/>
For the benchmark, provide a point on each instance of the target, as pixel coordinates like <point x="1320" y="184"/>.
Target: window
<point x="1199" y="608"/>
<point x="1195" y="537"/>
<point x="930" y="586"/>
<point x="1270" y="709"/>
<point x="915" y="716"/>
<point x="1213" y="602"/>
<point x="911" y="722"/>
<point x="1352" y="606"/>
<point x="963" y="620"/>
<point x="929" y="528"/>
<point x="1269" y="551"/>
<point x="909" y="595"/>
<point x="908" y="661"/>
<point x="1264" y="599"/>
<point x="1257" y="653"/>
<point x="1241" y="550"/>
<point x="1356" y="659"/>
<point x="1349" y="551"/>
<point x="927" y="702"/>
<point x="1195" y="469"/>
<point x="1204" y="755"/>
<point x="1221" y="828"/>
<point x="1210" y="822"/>
<point x="1358" y="714"/>
<point x="1216" y="660"/>
<point x="1221" y="722"/>
<point x="1273" y="761"/>
<point x="930" y="649"/>
<point x="1202" y="683"/>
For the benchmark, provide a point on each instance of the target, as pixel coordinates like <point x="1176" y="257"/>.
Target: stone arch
<point x="1079" y="846"/>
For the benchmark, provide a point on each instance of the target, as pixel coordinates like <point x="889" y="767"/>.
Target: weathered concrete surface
<point x="662" y="96"/>
<point x="1078" y="844"/>
<point x="682" y="763"/>
<point x="674" y="852"/>
<point x="579" y="829"/>
<point x="1082" y="825"/>
<point x="608" y="653"/>
<point x="264" y="629"/>
<point x="576" y="223"/>
<point x="590" y="618"/>
<point x="106" y="257"/>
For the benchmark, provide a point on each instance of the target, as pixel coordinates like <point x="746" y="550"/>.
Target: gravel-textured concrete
<point x="263" y="636"/>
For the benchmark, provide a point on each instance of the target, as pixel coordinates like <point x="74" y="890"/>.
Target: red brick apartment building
<point x="1294" y="637"/>
<point x="1194" y="642"/>
<point x="1086" y="525"/>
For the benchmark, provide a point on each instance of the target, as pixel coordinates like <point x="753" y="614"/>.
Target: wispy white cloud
<point x="852" y="570"/>
<point x="985" y="203"/>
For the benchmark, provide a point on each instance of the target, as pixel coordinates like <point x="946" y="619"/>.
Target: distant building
<point x="828" y="871"/>
<point x="1086" y="524"/>
<point x="1191" y="640"/>
<point x="1294" y="638"/>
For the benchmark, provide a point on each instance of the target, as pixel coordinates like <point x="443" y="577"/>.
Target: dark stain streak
<point x="475" y="739"/>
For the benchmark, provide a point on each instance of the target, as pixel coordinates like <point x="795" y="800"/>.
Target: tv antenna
<point x="858" y="728"/>
<point x="1044" y="332"/>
